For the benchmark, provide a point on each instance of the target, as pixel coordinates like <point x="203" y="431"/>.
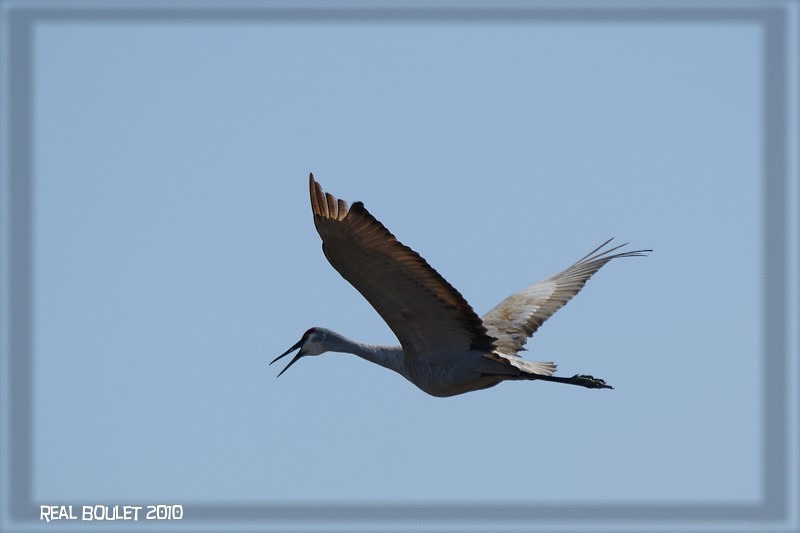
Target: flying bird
<point x="445" y="348"/>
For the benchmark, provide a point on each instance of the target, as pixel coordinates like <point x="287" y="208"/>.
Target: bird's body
<point x="445" y="348"/>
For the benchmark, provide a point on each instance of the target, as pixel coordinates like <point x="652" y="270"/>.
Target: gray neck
<point x="390" y="357"/>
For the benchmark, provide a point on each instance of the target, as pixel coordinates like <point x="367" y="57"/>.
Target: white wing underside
<point x="518" y="317"/>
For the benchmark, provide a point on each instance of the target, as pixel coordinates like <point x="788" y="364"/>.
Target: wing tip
<point x="324" y="204"/>
<point x="599" y="253"/>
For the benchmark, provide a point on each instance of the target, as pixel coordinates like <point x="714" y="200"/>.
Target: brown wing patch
<point x="428" y="315"/>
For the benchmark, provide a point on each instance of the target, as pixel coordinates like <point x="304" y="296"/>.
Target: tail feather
<point x="532" y="367"/>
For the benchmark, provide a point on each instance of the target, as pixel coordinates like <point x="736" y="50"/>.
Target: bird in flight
<point x="445" y="348"/>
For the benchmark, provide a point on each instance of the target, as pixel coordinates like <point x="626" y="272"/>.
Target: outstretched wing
<point x="517" y="317"/>
<point x="429" y="317"/>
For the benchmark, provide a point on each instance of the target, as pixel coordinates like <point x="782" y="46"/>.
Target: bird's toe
<point x="591" y="382"/>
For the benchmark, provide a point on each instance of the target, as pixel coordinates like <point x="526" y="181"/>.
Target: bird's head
<point x="311" y="343"/>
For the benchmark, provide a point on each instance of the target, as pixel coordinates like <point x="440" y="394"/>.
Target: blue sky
<point x="175" y="256"/>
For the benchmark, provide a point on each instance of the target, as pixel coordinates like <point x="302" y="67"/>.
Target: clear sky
<point x="175" y="256"/>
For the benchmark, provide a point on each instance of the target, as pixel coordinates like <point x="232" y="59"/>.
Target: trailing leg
<point x="590" y="382"/>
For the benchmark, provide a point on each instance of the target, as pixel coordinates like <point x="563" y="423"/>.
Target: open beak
<point x="287" y="352"/>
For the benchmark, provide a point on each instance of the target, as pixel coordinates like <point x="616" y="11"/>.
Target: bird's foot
<point x="590" y="382"/>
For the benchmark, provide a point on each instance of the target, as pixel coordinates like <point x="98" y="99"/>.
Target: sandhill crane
<point x="445" y="348"/>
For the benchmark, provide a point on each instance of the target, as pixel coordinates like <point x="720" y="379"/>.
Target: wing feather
<point x="518" y="317"/>
<point x="429" y="317"/>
